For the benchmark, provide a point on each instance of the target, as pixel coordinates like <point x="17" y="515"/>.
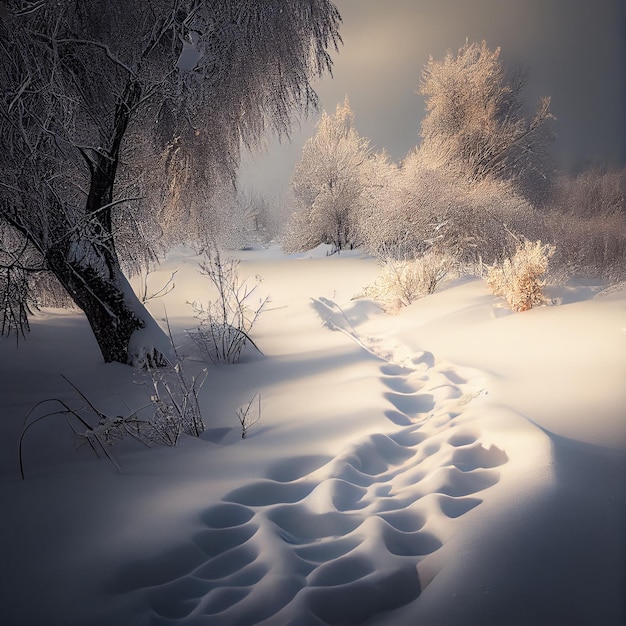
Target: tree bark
<point x="112" y="309"/>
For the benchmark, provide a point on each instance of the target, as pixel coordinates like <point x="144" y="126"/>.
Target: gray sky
<point x="574" y="51"/>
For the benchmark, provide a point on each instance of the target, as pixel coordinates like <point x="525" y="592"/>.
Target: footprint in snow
<point x="330" y="540"/>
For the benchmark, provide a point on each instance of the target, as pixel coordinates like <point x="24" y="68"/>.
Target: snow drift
<point x="451" y="464"/>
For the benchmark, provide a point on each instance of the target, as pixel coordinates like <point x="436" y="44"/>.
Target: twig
<point x="246" y="419"/>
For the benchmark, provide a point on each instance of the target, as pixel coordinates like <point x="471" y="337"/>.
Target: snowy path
<point x="322" y="539"/>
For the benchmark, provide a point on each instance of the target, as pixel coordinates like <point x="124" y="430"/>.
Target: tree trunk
<point x="89" y="269"/>
<point x="124" y="330"/>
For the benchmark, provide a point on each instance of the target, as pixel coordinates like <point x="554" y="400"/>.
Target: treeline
<point x="480" y="183"/>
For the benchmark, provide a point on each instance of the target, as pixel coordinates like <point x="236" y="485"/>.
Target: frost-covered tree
<point x="405" y="206"/>
<point x="118" y="117"/>
<point x="431" y="209"/>
<point x="475" y="121"/>
<point x="381" y="224"/>
<point x="587" y="222"/>
<point x="260" y="214"/>
<point x="327" y="183"/>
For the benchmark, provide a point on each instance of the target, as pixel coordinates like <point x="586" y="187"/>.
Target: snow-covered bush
<point x="401" y="282"/>
<point x="518" y="279"/>
<point x="226" y="321"/>
<point x="389" y="222"/>
<point x="174" y="399"/>
<point x="403" y="207"/>
<point x="488" y="222"/>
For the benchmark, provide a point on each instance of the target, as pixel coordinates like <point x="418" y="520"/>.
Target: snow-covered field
<point x="450" y="464"/>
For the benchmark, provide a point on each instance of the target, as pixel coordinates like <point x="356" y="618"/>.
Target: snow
<point x="453" y="463"/>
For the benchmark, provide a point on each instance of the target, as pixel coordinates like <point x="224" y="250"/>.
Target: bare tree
<point x="327" y="183"/>
<point x="117" y="118"/>
<point x="475" y="121"/>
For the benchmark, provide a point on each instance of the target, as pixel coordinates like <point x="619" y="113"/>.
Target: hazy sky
<point x="574" y="51"/>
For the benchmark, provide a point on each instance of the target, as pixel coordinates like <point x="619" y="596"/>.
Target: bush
<point x="226" y="322"/>
<point x="174" y="399"/>
<point x="518" y="278"/>
<point x="403" y="282"/>
<point x="173" y="409"/>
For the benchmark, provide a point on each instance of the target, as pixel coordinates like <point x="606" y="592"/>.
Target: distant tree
<point x="475" y="121"/>
<point x="379" y="230"/>
<point x="328" y="182"/>
<point x="424" y="209"/>
<point x="260" y="214"/>
<point x="117" y="118"/>
<point x="238" y="217"/>
<point x="587" y="222"/>
<point x="469" y="188"/>
<point x="591" y="193"/>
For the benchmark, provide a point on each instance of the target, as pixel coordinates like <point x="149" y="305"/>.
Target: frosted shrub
<point x="221" y="342"/>
<point x="226" y="321"/>
<point x="518" y="278"/>
<point x="427" y="209"/>
<point x="173" y="409"/>
<point x="174" y="399"/>
<point x="403" y="282"/>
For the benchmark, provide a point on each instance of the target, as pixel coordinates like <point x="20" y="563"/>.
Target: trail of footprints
<point x="333" y="540"/>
